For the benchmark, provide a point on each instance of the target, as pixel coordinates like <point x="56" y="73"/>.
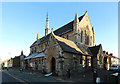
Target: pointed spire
<point x="47" y="26"/>
<point x="76" y="18"/>
<point x="38" y="37"/>
<point x="22" y="52"/>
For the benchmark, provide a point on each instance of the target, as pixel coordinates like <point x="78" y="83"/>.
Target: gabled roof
<point x="67" y="45"/>
<point x="60" y="31"/>
<point x="84" y="48"/>
<point x="30" y="56"/>
<point x="94" y="50"/>
<point x="41" y="54"/>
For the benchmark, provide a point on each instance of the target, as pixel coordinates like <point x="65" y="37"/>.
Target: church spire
<point x="38" y="36"/>
<point x="47" y="26"/>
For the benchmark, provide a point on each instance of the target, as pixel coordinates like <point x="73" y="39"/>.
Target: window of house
<point x="89" y="61"/>
<point x="90" y="40"/>
<point x="83" y="61"/>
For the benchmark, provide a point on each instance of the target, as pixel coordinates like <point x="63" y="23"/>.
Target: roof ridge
<point x="69" y="23"/>
<point x="55" y="31"/>
<point x="67" y="42"/>
<point x="62" y="26"/>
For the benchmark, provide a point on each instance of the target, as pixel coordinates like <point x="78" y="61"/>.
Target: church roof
<point x="62" y="30"/>
<point x="68" y="45"/>
<point x="84" y="49"/>
<point x="94" y="50"/>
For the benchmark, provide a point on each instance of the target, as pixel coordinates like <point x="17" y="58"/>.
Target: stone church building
<point x="71" y="46"/>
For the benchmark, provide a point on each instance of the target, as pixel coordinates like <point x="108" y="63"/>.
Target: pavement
<point x="84" y="77"/>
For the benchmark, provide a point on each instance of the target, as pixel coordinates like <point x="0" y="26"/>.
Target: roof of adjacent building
<point x="30" y="56"/>
<point x="62" y="30"/>
<point x="35" y="55"/>
<point x="95" y="49"/>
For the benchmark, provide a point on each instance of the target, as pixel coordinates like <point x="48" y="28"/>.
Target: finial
<point x="52" y="29"/>
<point x="52" y="32"/>
<point x="22" y="52"/>
<point x="76" y="14"/>
<point x="76" y="18"/>
<point x="38" y="37"/>
<point x="86" y="11"/>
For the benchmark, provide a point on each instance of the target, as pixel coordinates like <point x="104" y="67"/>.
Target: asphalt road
<point x="8" y="78"/>
<point x="15" y="77"/>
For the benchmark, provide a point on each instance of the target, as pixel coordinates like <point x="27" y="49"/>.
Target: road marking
<point x="16" y="78"/>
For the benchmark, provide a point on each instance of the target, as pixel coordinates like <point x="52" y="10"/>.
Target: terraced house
<point x="70" y="47"/>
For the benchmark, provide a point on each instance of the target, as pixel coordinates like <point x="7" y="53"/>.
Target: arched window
<point x="81" y="36"/>
<point x="87" y="36"/>
<point x="90" y="40"/>
<point x="87" y="40"/>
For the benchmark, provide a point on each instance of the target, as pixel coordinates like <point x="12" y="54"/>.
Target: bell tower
<point x="47" y="26"/>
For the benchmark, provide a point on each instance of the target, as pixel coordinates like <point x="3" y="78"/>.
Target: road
<point x="8" y="78"/>
<point x="14" y="76"/>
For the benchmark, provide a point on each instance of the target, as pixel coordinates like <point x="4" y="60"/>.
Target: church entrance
<point x="53" y="64"/>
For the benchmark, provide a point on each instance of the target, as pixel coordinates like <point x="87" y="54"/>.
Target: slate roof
<point x="68" y="45"/>
<point x="30" y="56"/>
<point x="94" y="50"/>
<point x="41" y="54"/>
<point x="84" y="49"/>
<point x="64" y="29"/>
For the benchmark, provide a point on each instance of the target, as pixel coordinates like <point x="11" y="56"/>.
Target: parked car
<point x="114" y="67"/>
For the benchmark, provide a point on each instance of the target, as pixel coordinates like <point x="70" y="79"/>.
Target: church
<point x="71" y="46"/>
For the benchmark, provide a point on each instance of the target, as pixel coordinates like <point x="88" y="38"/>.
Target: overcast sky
<point x="21" y="21"/>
